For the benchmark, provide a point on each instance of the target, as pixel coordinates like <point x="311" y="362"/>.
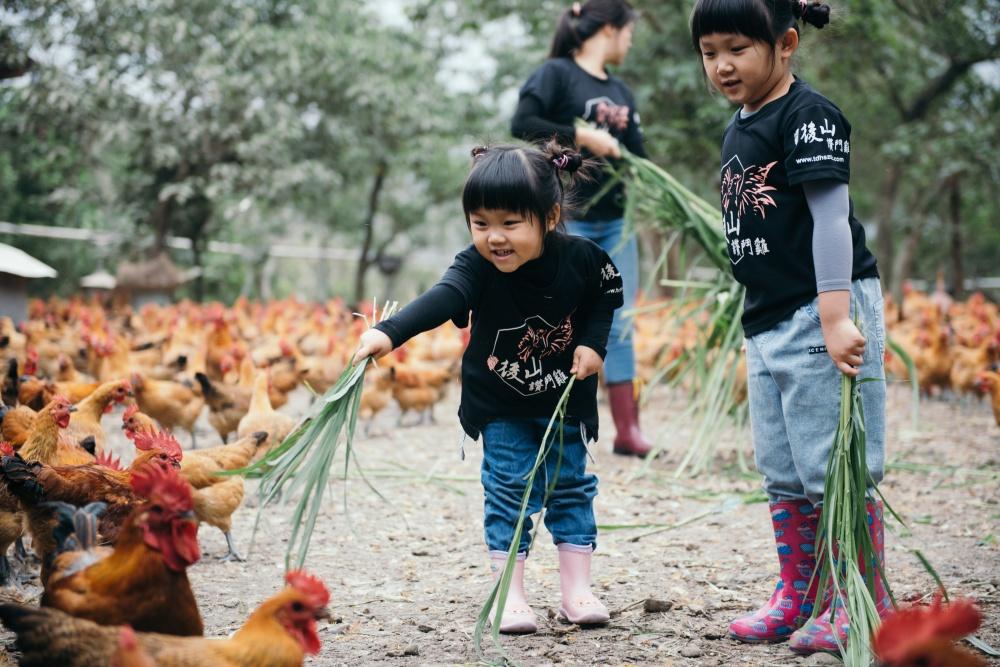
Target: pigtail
<point x="816" y="14"/>
<point x="479" y="151"/>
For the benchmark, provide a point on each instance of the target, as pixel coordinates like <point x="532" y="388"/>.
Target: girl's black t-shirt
<point x="526" y="326"/>
<point x="558" y="93"/>
<point x="766" y="157"/>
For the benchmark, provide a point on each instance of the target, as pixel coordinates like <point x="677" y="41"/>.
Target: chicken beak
<point x="323" y="614"/>
<point x="72" y="408"/>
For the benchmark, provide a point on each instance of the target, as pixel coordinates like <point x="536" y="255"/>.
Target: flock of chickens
<point x="116" y="531"/>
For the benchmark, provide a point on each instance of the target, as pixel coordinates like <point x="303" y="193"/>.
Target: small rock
<point x="654" y="606"/>
<point x="420" y="552"/>
<point x="822" y="659"/>
<point x="231" y="603"/>
<point x="691" y="651"/>
<point x="425" y="628"/>
<point x="712" y="635"/>
<point x="412" y="649"/>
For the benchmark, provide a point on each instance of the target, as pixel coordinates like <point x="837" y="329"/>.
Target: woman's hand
<point x="586" y="362"/>
<point x="598" y="142"/>
<point x="373" y="343"/>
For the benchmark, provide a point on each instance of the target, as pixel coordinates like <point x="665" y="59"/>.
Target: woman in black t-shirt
<point x="575" y="84"/>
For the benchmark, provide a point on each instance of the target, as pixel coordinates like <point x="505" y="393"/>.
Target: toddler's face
<point x="505" y="238"/>
<point x="742" y="69"/>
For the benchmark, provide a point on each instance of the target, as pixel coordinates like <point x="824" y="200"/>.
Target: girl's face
<point x="620" y="43"/>
<point x="507" y="239"/>
<point x="746" y="71"/>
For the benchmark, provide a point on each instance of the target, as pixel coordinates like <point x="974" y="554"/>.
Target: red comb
<point x="6" y="449"/>
<point x="310" y="586"/>
<point x="130" y="412"/>
<point x="108" y="461"/>
<point x="910" y="627"/>
<point x="159" y="440"/>
<point x="162" y="486"/>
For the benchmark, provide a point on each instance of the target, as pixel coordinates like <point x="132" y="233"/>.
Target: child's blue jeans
<point x="794" y="392"/>
<point x="510" y="447"/>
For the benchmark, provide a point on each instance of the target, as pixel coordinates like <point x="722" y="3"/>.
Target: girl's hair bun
<point x="816" y="14"/>
<point x="563" y="159"/>
<point x="479" y="151"/>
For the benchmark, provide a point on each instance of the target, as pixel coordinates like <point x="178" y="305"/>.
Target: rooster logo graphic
<point x="746" y="188"/>
<point x="543" y="342"/>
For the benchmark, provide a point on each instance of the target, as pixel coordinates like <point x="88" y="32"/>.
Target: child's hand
<point x="845" y="345"/>
<point x="586" y="362"/>
<point x="373" y="343"/>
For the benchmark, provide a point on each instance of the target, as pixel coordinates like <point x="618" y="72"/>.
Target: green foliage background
<point x="348" y="124"/>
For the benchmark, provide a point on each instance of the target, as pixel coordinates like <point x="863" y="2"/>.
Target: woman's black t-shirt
<point x="526" y="326"/>
<point x="766" y="157"/>
<point x="558" y="93"/>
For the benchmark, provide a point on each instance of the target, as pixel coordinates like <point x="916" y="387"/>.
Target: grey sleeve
<point x="832" y="245"/>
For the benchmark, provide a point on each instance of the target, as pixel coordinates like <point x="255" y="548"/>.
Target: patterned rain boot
<point x="629" y="440"/>
<point x="579" y="605"/>
<point x="795" y="524"/>
<point x="518" y="616"/>
<point x="818" y="634"/>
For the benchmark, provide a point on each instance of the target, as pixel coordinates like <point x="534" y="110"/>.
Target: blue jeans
<point x="510" y="447"/>
<point x="794" y="392"/>
<point x="619" y="364"/>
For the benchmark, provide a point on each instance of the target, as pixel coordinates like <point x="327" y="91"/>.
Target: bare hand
<point x="598" y="142"/>
<point x="373" y="343"/>
<point x="845" y="345"/>
<point x="586" y="362"/>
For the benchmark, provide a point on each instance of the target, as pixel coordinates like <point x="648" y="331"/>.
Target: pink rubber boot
<point x="579" y="605"/>
<point x="795" y="524"/>
<point x="818" y="634"/>
<point x="518" y="616"/>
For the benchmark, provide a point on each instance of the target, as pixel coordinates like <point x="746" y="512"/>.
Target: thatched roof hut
<point x="16" y="269"/>
<point x="152" y="280"/>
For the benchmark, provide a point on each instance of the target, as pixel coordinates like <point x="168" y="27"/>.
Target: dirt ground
<point x="408" y="577"/>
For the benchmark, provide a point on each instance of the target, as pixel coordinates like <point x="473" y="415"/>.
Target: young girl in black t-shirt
<point x="574" y="83"/>
<point x="541" y="304"/>
<point x="794" y="243"/>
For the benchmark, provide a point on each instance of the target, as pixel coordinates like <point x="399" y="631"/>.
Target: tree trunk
<point x="365" y="259"/>
<point x="885" y="247"/>
<point x="955" y="215"/>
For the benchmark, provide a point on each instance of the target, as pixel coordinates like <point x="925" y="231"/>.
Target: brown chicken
<point x="988" y="382"/>
<point x="262" y="417"/>
<point x="16" y="424"/>
<point x="44" y="442"/>
<point x="34" y="484"/>
<point x="418" y="389"/>
<point x="279" y="633"/>
<point x="216" y="497"/>
<point x="227" y="405"/>
<point x="173" y="404"/>
<point x="375" y="396"/>
<point x="143" y="579"/>
<point x="86" y="420"/>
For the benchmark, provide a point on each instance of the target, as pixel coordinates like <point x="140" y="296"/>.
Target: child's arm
<point x="833" y="255"/>
<point x="431" y="309"/>
<point x="591" y="344"/>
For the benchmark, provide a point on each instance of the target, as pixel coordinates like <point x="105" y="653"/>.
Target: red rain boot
<point x="818" y="634"/>
<point x="629" y="440"/>
<point x="795" y="523"/>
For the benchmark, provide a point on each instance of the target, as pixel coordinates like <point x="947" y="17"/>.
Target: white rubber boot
<point x="518" y="616"/>
<point x="579" y="605"/>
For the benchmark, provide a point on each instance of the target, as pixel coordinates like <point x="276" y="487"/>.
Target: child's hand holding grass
<point x="373" y="343"/>
<point x="586" y="362"/>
